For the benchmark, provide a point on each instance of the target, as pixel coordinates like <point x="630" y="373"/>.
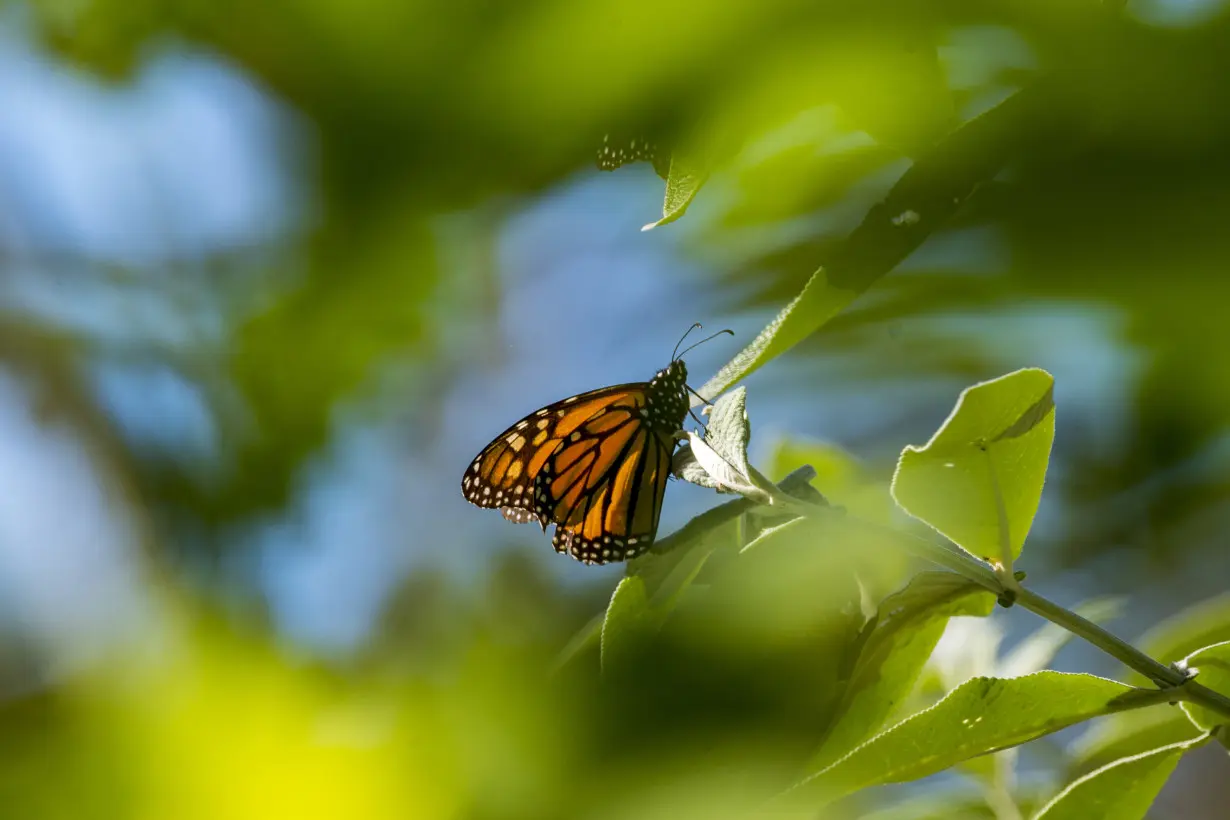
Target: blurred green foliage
<point x="719" y="677"/>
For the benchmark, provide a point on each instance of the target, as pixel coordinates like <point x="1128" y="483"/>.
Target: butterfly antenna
<point x="701" y="342"/>
<point x="699" y="396"/>
<point x="685" y="335"/>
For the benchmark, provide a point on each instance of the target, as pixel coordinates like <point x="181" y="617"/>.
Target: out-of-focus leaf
<point x="983" y="715"/>
<point x="586" y="638"/>
<point x="670" y="567"/>
<point x="1202" y="624"/>
<point x="629" y="620"/>
<point x="1127" y="734"/>
<point x="979" y="479"/>
<point x="944" y="806"/>
<point x="899" y="93"/>
<point x="968" y="649"/>
<point x="766" y="537"/>
<point x="895" y="645"/>
<point x="317" y="345"/>
<point x="839" y="476"/>
<point x="1035" y="652"/>
<point x="687" y="174"/>
<point x="668" y="574"/>
<point x="1123" y="790"/>
<point x="1213" y="663"/>
<point x="929" y="192"/>
<point x="836" y="469"/>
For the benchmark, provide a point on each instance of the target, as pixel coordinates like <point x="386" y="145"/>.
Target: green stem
<point x="1166" y="677"/>
<point x="1117" y="648"/>
<point x="1175" y="682"/>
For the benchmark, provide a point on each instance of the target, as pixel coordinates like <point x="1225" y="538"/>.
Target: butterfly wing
<point x="595" y="465"/>
<point x="504" y="474"/>
<point x="608" y="488"/>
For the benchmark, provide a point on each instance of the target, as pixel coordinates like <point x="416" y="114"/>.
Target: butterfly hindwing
<point x="617" y="517"/>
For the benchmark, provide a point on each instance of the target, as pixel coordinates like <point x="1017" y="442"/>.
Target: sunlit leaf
<point x="983" y="715"/>
<point x="1199" y="625"/>
<point x="717" y="472"/>
<point x="1213" y="670"/>
<point x="1130" y="733"/>
<point x="718" y="459"/>
<point x="687" y="174"/>
<point x="896" y="645"/>
<point x="979" y="479"/>
<point x="1123" y="790"/>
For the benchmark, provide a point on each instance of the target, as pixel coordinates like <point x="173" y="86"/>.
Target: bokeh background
<point x="272" y="273"/>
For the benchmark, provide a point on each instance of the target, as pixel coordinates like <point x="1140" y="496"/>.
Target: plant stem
<point x="1117" y="648"/>
<point x="1166" y="677"/>
<point x="1173" y="682"/>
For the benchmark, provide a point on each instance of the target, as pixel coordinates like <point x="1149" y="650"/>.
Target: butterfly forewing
<point x="595" y="465"/>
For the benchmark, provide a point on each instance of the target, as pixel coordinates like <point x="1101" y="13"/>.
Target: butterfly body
<point x="594" y="465"/>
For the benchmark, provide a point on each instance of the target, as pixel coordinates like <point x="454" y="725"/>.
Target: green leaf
<point x="982" y="715"/>
<point x="1213" y="670"/>
<point x="686" y="467"/>
<point x="945" y="806"/>
<point x="1203" y="624"/>
<point x="688" y="172"/>
<point x="839" y="476"/>
<point x="816" y="304"/>
<point x="667" y="575"/>
<point x="719" y="459"/>
<point x="710" y="468"/>
<point x="930" y="192"/>
<point x="895" y="646"/>
<point x="586" y="638"/>
<point x="629" y="621"/>
<point x="979" y="479"/>
<point x="728" y="430"/>
<point x="1123" y="790"/>
<point x="669" y="568"/>
<point x="837" y="470"/>
<point x="1130" y="733"/>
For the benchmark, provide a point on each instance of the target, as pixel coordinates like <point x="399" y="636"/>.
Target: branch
<point x="1172" y="682"/>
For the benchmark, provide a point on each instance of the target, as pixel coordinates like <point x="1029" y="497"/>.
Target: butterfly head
<point x="674" y="375"/>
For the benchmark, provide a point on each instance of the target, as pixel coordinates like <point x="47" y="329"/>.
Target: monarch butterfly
<point x="595" y="465"/>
